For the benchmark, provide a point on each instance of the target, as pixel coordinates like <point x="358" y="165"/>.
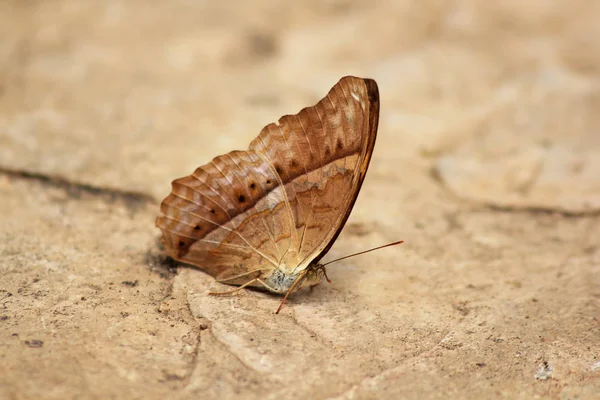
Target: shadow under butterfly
<point x="266" y="216"/>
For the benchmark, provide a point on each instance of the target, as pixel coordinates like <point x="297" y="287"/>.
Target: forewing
<point x="321" y="156"/>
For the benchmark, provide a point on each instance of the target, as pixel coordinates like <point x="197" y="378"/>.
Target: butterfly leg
<point x="250" y="282"/>
<point x="296" y="283"/>
<point x="228" y="292"/>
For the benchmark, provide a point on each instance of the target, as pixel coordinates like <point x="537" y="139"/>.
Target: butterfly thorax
<point x="280" y="281"/>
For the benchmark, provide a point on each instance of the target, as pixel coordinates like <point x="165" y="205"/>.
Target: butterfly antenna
<point x="366" y="251"/>
<point x="301" y="277"/>
<point x="291" y="289"/>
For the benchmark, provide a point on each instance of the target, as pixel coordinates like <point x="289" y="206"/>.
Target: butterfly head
<point x="311" y="276"/>
<point x="315" y="274"/>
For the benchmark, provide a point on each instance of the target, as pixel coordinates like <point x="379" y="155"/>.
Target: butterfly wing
<point x="322" y="155"/>
<point x="282" y="203"/>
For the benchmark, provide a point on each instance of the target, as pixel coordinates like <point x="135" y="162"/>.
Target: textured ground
<point x="487" y="164"/>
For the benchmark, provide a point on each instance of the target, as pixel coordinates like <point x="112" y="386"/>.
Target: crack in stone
<point x="193" y="363"/>
<point x="487" y="206"/>
<point x="75" y="190"/>
<point x="541" y="210"/>
<point x="202" y="325"/>
<point x="183" y="313"/>
<point x="232" y="353"/>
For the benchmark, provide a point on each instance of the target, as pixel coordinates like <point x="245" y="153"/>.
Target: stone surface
<point x="542" y="152"/>
<point x="485" y="165"/>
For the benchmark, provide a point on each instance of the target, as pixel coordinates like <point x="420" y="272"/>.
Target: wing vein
<point x="241" y="211"/>
<point x="291" y="155"/>
<point x="283" y="192"/>
<point x="312" y="202"/>
<point x="269" y="233"/>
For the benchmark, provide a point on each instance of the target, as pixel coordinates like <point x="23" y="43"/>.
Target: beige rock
<point x="485" y="165"/>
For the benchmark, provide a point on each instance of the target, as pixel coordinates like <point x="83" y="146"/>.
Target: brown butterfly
<point x="264" y="217"/>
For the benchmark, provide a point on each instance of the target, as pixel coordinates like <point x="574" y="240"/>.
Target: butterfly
<point x="264" y="217"/>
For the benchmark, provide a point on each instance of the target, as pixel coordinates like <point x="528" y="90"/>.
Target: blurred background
<point x="130" y="94"/>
